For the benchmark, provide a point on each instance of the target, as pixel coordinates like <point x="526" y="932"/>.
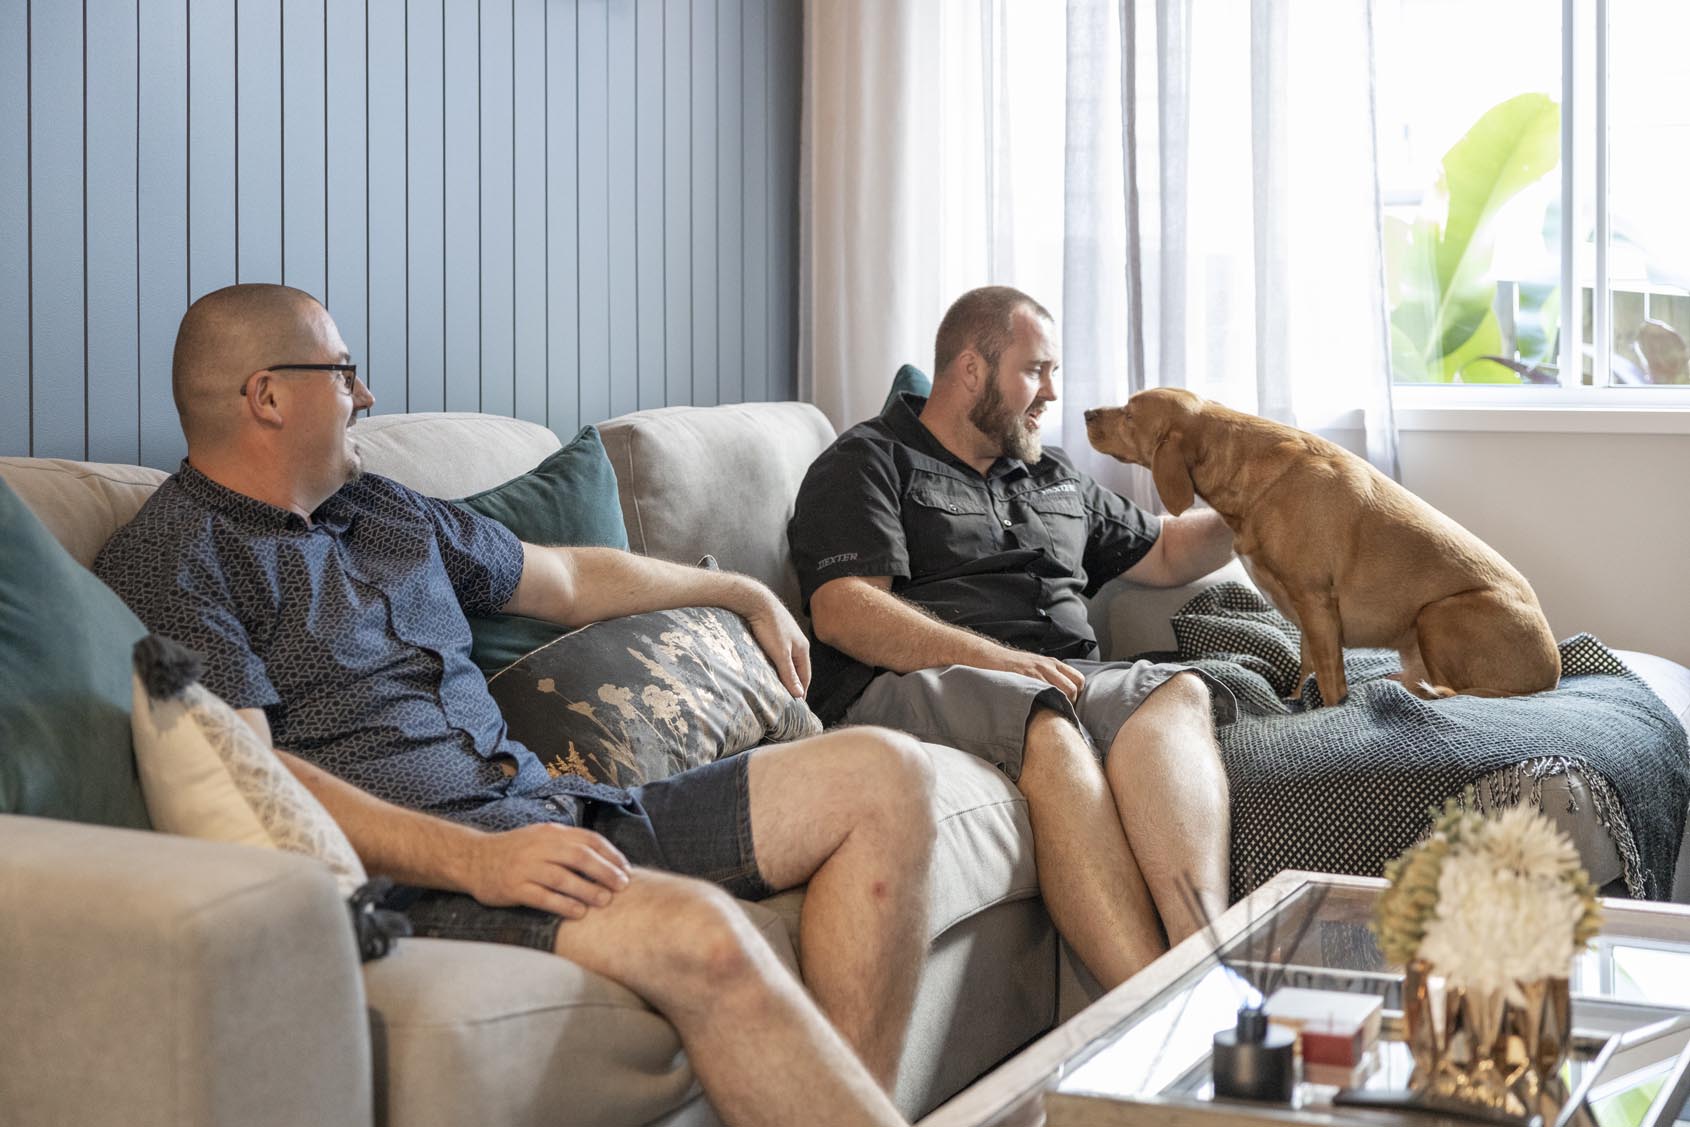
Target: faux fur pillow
<point x="640" y="698"/>
<point x="205" y="774"/>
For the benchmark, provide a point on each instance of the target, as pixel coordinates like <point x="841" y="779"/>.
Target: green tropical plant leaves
<point x="1442" y="291"/>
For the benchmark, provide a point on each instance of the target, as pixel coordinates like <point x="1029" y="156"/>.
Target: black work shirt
<point x="349" y="632"/>
<point x="1010" y="554"/>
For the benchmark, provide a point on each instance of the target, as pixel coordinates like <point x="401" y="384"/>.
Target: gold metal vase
<point x="1480" y="1047"/>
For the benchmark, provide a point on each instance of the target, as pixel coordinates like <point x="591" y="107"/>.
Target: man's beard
<point x="993" y="418"/>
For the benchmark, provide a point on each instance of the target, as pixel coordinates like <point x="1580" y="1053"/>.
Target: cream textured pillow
<point x="206" y="774"/>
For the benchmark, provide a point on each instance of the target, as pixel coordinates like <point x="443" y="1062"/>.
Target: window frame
<point x="1571" y="407"/>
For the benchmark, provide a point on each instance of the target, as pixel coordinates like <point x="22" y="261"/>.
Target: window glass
<point x="1469" y="104"/>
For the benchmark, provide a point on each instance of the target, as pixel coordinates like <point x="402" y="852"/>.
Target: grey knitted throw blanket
<point x="1345" y="789"/>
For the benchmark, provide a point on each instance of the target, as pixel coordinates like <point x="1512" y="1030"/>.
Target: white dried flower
<point x="1507" y="908"/>
<point x="1525" y="842"/>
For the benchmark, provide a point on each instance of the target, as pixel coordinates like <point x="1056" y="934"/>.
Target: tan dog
<point x="1342" y="550"/>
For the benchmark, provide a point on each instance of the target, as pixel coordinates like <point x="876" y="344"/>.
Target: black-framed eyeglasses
<point x="348" y="373"/>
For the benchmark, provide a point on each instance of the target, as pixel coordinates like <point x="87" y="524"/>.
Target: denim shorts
<point x="696" y="824"/>
<point x="985" y="711"/>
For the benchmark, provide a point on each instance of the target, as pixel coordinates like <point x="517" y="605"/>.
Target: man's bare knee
<point x="1055" y="747"/>
<point x="708" y="941"/>
<point x="900" y="773"/>
<point x="705" y="937"/>
<point x="1174" y="725"/>
<point x="1185" y="695"/>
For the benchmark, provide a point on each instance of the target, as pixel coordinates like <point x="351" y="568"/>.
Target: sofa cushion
<point x="717" y="479"/>
<point x="910" y="379"/>
<point x="81" y="503"/>
<point x="1130" y="619"/>
<point x="633" y="699"/>
<point x="65" y="749"/>
<point x="569" y="498"/>
<point x="206" y="774"/>
<point x="450" y="453"/>
<point x="479" y="1033"/>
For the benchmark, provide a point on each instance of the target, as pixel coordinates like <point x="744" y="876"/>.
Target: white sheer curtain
<point x="1190" y="185"/>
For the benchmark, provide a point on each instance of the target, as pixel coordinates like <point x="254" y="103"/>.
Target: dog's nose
<point x="1093" y="412"/>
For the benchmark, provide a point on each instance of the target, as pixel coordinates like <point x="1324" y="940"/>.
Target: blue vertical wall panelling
<point x="425" y="112"/>
<point x="304" y="141"/>
<point x="730" y="200"/>
<point x="387" y="205"/>
<point x="211" y="146"/>
<point x="622" y="169"/>
<point x="592" y="216"/>
<point x="57" y="238"/>
<point x="705" y="105"/>
<point x="786" y="62"/>
<point x="345" y="189"/>
<point x="498" y="186"/>
<point x="563" y="312"/>
<point x="258" y="140"/>
<point x="461" y="96"/>
<point x="14" y="227"/>
<point x="649" y="235"/>
<point x="754" y="157"/>
<point x="528" y="207"/>
<point x="626" y="170"/>
<point x="109" y="215"/>
<point x="677" y="202"/>
<point x="162" y="217"/>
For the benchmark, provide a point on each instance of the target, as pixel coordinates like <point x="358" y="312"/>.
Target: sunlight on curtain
<point x="1189" y="185"/>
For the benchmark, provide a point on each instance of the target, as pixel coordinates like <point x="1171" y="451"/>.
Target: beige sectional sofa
<point x="170" y="981"/>
<point x="181" y="982"/>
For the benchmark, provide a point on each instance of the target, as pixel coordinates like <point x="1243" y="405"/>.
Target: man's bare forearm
<point x="575" y="586"/>
<point x="878" y="628"/>
<point x="410" y="847"/>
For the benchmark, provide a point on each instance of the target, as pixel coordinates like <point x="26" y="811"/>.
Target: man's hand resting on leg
<point x="560" y="869"/>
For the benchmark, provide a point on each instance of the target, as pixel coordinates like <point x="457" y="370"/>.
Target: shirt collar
<point x="902" y="417"/>
<point x="250" y="510"/>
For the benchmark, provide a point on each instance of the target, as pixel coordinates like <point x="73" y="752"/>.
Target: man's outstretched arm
<point x="1191" y="546"/>
<point x="575" y="586"/>
<point x="560" y="869"/>
<point x="860" y="616"/>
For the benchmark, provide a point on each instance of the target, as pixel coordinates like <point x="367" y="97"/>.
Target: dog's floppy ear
<point x="1171" y="475"/>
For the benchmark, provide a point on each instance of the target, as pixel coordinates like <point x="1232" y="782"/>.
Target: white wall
<point x="1599" y="523"/>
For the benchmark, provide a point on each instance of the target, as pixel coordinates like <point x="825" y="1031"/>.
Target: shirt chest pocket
<point x="946" y="523"/>
<point x="1059" y="515"/>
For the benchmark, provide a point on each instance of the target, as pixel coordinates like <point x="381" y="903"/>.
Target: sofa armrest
<point x="162" y="980"/>
<point x="1130" y="619"/>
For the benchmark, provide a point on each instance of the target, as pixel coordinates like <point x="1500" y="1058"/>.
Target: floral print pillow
<point x="635" y="699"/>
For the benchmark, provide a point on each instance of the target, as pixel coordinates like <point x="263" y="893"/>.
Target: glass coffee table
<point x="1140" y="1054"/>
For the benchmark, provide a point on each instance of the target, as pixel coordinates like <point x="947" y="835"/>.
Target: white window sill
<point x="1662" y="410"/>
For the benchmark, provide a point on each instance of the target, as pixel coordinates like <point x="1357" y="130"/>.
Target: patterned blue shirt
<point x="350" y="633"/>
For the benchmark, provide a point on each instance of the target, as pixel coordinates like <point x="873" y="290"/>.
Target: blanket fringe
<point x="1523" y="783"/>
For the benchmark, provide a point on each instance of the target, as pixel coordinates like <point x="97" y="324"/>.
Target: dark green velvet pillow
<point x="65" y="682"/>
<point x="570" y="498"/>
<point x="910" y="379"/>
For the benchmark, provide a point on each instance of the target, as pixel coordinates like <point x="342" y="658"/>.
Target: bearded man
<point x="944" y="555"/>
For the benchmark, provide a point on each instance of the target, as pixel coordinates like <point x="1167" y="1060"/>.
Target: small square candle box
<point x="1334" y="1028"/>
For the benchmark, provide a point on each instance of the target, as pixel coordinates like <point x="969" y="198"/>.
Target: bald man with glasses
<point x="329" y="606"/>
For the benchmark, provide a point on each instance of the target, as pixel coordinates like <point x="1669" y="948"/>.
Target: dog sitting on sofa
<point x="1340" y="549"/>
